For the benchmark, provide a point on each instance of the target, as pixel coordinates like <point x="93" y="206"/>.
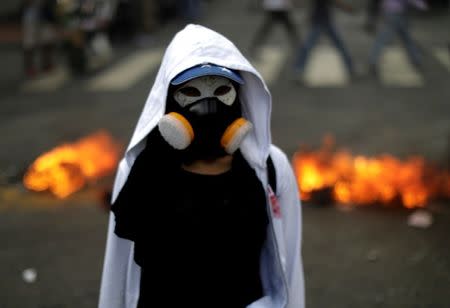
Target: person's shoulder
<point x="279" y="157"/>
<point x="276" y="152"/>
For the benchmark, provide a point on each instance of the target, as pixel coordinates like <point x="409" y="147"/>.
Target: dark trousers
<point x="395" y="24"/>
<point x="317" y="28"/>
<point x="46" y="53"/>
<point x="272" y="18"/>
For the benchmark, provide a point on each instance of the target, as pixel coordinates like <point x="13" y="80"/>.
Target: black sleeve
<point x="137" y="195"/>
<point x="126" y="206"/>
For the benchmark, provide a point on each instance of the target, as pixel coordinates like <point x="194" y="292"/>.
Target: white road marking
<point x="127" y="72"/>
<point x="396" y="71"/>
<point x="442" y="54"/>
<point x="325" y="68"/>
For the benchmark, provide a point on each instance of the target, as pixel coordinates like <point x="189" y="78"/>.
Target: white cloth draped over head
<point x="281" y="267"/>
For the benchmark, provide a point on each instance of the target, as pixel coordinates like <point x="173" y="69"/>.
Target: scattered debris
<point x="420" y="219"/>
<point x="29" y="275"/>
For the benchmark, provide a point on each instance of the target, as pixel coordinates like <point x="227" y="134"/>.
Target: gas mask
<point x="205" y="121"/>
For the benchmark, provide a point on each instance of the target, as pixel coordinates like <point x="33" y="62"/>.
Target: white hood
<point x="192" y="46"/>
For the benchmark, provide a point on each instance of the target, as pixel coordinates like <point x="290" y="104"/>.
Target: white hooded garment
<point x="281" y="265"/>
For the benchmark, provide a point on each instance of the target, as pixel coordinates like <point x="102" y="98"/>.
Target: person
<point x="49" y="33"/>
<point x="196" y="221"/>
<point x="321" y="20"/>
<point x="395" y="21"/>
<point x="276" y="12"/>
<point x="39" y="35"/>
<point x="30" y="23"/>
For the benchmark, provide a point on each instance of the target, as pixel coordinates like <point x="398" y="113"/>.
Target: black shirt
<point x="198" y="238"/>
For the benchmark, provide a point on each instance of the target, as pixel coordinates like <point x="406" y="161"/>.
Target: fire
<point x="364" y="180"/>
<point x="68" y="167"/>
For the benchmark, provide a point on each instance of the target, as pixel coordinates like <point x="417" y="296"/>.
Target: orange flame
<point x="362" y="180"/>
<point x="67" y="168"/>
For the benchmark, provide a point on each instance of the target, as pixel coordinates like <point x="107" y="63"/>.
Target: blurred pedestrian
<point x="49" y="33"/>
<point x="396" y="21"/>
<point x="205" y="210"/>
<point x="30" y="35"/>
<point x="88" y="46"/>
<point x="275" y="12"/>
<point x="39" y="22"/>
<point x="321" y="19"/>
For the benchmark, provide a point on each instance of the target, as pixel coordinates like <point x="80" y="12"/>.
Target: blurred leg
<point x="262" y="32"/>
<point x="410" y="46"/>
<point x="306" y="48"/>
<point x="48" y="44"/>
<point x="28" y="61"/>
<point x="30" y="39"/>
<point x="381" y="40"/>
<point x="291" y="29"/>
<point x="339" y="44"/>
<point x="47" y="56"/>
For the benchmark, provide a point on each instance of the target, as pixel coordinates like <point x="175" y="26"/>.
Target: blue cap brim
<point x="206" y="70"/>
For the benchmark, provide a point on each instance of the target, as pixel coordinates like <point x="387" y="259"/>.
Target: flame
<point x="364" y="180"/>
<point x="68" y="167"/>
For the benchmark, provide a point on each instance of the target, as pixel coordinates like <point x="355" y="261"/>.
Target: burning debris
<point x="336" y="175"/>
<point x="68" y="167"/>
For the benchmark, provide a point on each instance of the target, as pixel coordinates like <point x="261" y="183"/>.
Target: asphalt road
<point x="365" y="257"/>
